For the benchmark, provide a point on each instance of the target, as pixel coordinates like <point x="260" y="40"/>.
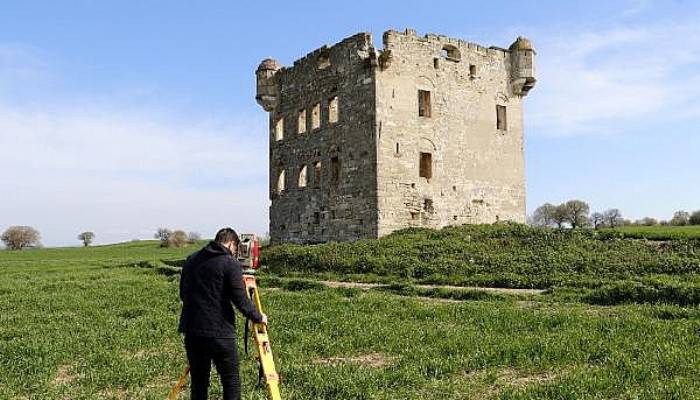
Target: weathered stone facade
<point x="426" y="132"/>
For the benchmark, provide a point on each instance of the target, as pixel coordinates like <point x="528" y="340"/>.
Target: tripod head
<point x="249" y="251"/>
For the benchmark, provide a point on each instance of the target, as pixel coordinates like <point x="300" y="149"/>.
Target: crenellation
<point x="424" y="132"/>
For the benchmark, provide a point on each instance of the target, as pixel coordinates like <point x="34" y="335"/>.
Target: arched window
<point x="302" y="177"/>
<point x="279" y="129"/>
<point x="280" y="180"/>
<point x="317" y="174"/>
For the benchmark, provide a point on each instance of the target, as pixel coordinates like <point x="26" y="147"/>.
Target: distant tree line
<point x="576" y="214"/>
<point x="175" y="238"/>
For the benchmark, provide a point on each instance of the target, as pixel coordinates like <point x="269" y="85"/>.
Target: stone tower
<point x="426" y="132"/>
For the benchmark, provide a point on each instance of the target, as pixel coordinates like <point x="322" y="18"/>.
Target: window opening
<point x="302" y="177"/>
<point x="317" y="173"/>
<point x="316" y="116"/>
<point x="301" y="122"/>
<point x="280" y="180"/>
<point x="426" y="166"/>
<point x="335" y="170"/>
<point x="279" y="129"/>
<point x="501" y="118"/>
<point x="424" y="103"/>
<point x="333" y="110"/>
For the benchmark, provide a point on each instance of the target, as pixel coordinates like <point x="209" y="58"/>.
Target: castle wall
<point x="477" y="170"/>
<point x="336" y="198"/>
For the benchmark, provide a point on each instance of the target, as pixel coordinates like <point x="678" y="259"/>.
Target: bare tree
<point x="613" y="217"/>
<point x="576" y="212"/>
<point x="19" y="237"/>
<point x="598" y="220"/>
<point x="680" y="218"/>
<point x="86" y="238"/>
<point x="194" y="237"/>
<point x="177" y="239"/>
<point x="544" y="215"/>
<point x="163" y="234"/>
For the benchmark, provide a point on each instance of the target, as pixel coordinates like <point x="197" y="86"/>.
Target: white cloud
<point x="123" y="175"/>
<point x="592" y="82"/>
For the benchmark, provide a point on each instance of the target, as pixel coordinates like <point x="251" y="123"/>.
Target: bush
<point x="177" y="239"/>
<point x="20" y="237"/>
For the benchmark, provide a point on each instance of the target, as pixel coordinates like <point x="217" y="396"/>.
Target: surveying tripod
<point x="249" y="257"/>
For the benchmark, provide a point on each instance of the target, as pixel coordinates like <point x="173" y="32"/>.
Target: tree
<point x="694" y="218"/>
<point x="19" y="237"/>
<point x="86" y="238"/>
<point x="647" y="221"/>
<point x="597" y="219"/>
<point x="560" y="216"/>
<point x="177" y="239"/>
<point x="613" y="217"/>
<point x="193" y="237"/>
<point x="680" y="218"/>
<point x="576" y="212"/>
<point x="543" y="215"/>
<point x="163" y="234"/>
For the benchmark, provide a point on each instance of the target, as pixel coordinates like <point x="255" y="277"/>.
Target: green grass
<point x="658" y="232"/>
<point x="101" y="323"/>
<point x="504" y="255"/>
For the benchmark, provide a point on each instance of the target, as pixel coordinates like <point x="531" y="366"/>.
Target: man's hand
<point x="264" y="319"/>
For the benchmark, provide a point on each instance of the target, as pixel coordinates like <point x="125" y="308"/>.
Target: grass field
<point x="101" y="323"/>
<point x="659" y="232"/>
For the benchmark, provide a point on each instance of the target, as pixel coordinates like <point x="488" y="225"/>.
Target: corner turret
<point x="266" y="94"/>
<point x="522" y="76"/>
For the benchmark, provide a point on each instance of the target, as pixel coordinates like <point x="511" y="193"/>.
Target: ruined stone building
<point x="426" y="132"/>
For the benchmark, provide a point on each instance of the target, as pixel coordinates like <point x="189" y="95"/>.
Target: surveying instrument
<point x="249" y="258"/>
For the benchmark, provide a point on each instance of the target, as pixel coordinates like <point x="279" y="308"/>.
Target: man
<point x="211" y="280"/>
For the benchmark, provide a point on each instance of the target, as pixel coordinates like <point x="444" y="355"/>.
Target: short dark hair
<point x="226" y="235"/>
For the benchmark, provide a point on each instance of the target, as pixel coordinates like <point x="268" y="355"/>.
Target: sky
<point x="121" y="117"/>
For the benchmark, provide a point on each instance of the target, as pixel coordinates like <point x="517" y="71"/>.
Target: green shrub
<point x="502" y="255"/>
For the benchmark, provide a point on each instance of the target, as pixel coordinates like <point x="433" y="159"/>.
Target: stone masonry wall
<point x="339" y="201"/>
<point x="477" y="169"/>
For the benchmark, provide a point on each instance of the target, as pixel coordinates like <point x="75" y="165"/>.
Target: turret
<point x="522" y="58"/>
<point x="266" y="94"/>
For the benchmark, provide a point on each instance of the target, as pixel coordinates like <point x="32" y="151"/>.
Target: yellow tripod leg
<point x="262" y="343"/>
<point x="179" y="385"/>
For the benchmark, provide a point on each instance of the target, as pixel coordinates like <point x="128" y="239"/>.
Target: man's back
<point x="211" y="280"/>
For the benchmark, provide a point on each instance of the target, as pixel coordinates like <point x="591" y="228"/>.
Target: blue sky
<point x="120" y="117"/>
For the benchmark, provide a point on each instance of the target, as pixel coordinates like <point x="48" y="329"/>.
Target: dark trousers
<point x="201" y="351"/>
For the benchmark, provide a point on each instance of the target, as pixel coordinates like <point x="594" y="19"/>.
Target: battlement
<point x="392" y="39"/>
<point x="362" y="39"/>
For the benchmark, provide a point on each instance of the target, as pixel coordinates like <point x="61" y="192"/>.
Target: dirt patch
<point x="484" y="289"/>
<point x="64" y="375"/>
<point x="113" y="393"/>
<point x="367" y="286"/>
<point x="374" y="360"/>
<point x="491" y="383"/>
<point x="355" y="285"/>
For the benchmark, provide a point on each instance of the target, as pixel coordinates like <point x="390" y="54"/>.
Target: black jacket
<point x="211" y="280"/>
